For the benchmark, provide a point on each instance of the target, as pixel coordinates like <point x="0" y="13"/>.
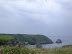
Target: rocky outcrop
<point x="59" y="41"/>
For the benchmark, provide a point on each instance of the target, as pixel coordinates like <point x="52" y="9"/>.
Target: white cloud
<point x="24" y="16"/>
<point x="35" y="6"/>
<point x="38" y="6"/>
<point x="47" y="11"/>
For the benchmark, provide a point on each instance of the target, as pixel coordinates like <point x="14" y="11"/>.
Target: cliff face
<point x="59" y="41"/>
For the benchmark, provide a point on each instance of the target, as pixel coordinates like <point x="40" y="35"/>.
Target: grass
<point x="32" y="39"/>
<point x="6" y="37"/>
<point x="23" y="50"/>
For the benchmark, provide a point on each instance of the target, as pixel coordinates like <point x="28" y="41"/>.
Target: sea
<point x="67" y="40"/>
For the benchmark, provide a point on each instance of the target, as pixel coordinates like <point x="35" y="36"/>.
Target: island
<point x="59" y="41"/>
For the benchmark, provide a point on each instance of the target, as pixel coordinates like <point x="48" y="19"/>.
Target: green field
<point x="23" y="50"/>
<point x="6" y="37"/>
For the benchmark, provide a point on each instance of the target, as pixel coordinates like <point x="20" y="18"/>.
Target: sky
<point x="47" y="17"/>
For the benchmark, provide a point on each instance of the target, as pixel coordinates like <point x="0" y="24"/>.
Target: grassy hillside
<point x="5" y="37"/>
<point x="23" y="50"/>
<point x="38" y="38"/>
<point x="32" y="39"/>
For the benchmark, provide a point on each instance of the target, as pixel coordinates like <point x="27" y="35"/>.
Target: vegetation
<point x="38" y="45"/>
<point x="6" y="37"/>
<point x="33" y="39"/>
<point x="67" y="46"/>
<point x="23" y="50"/>
<point x="15" y="39"/>
<point x="18" y="41"/>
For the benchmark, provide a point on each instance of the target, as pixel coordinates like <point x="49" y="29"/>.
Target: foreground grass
<point x="23" y="50"/>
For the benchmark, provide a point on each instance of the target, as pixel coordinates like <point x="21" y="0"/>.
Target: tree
<point x="38" y="45"/>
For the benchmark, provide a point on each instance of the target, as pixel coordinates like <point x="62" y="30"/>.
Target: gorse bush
<point x="24" y="50"/>
<point x="14" y="50"/>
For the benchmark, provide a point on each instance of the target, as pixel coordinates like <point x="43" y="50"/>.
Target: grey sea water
<point x="67" y="40"/>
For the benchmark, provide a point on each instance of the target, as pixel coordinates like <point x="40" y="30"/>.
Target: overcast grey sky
<point x="48" y="17"/>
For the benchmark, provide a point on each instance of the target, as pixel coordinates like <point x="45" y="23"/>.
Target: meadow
<point x="24" y="50"/>
<point x="5" y="37"/>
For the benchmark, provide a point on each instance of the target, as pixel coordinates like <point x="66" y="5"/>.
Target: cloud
<point x="40" y="9"/>
<point x="52" y="16"/>
<point x="38" y="6"/>
<point x="37" y="9"/>
<point x="47" y="11"/>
